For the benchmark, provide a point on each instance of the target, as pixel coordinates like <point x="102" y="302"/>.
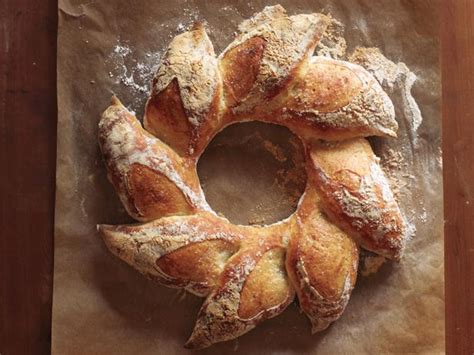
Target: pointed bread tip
<point x="196" y="343"/>
<point x="318" y="325"/>
<point x="198" y="26"/>
<point x="102" y="228"/>
<point x="114" y="101"/>
<point x="105" y="232"/>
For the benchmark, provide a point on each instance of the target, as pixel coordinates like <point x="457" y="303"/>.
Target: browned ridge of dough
<point x="239" y="68"/>
<point x="154" y="194"/>
<point x="356" y="192"/>
<point x="209" y="258"/>
<point x="185" y="96"/>
<point x="322" y="263"/>
<point x="326" y="87"/>
<point x="166" y="117"/>
<point x="252" y="273"/>
<point x="150" y="178"/>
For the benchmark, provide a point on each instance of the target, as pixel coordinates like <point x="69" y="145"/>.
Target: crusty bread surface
<point x="252" y="273"/>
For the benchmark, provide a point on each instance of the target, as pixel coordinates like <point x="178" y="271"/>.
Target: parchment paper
<point x="101" y="306"/>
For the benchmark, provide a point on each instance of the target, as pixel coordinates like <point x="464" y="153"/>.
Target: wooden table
<point x="27" y="172"/>
<point x="457" y="31"/>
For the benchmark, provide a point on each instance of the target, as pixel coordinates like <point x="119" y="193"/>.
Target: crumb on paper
<point x="256" y="220"/>
<point x="333" y="43"/>
<point x="394" y="165"/>
<point x="122" y="50"/>
<point x="424" y="215"/>
<point x="292" y="182"/>
<point x="133" y="73"/>
<point x="236" y="345"/>
<point x="275" y="150"/>
<point x="372" y="264"/>
<point x="392" y="77"/>
<point x="179" y="297"/>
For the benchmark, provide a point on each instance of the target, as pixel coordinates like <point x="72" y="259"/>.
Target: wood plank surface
<point x="27" y="172"/>
<point x="458" y="149"/>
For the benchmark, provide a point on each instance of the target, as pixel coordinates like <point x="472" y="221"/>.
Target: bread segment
<point x="331" y="100"/>
<point x="239" y="303"/>
<point x="187" y="252"/>
<point x="356" y="194"/>
<point x="150" y="178"/>
<point x="185" y="99"/>
<point x="322" y="262"/>
<point x="240" y="268"/>
<point x="282" y="43"/>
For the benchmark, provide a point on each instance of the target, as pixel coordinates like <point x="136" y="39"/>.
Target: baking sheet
<point x="102" y="306"/>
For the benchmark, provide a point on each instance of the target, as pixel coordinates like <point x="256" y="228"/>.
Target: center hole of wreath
<point x="253" y="173"/>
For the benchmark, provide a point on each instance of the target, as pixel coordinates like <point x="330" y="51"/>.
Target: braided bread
<point x="252" y="273"/>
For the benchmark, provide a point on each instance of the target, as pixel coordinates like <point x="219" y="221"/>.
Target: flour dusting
<point x="135" y="74"/>
<point x="397" y="155"/>
<point x="133" y="67"/>
<point x="333" y="43"/>
<point x="393" y="77"/>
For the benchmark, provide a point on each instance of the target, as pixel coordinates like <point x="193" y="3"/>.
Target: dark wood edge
<point x="27" y="173"/>
<point x="457" y="56"/>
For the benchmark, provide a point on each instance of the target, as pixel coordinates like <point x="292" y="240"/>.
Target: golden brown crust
<point x="295" y="36"/>
<point x="325" y="87"/>
<point x="331" y="100"/>
<point x="221" y="316"/>
<point x="186" y="93"/>
<point x="239" y="67"/>
<point x="209" y="258"/>
<point x="357" y="195"/>
<point x="230" y="262"/>
<point x="154" y="195"/>
<point x="166" y="118"/>
<point x="269" y="271"/>
<point x="195" y="95"/>
<point x="142" y="246"/>
<point x="150" y="178"/>
<point x="322" y="263"/>
<point x="250" y="274"/>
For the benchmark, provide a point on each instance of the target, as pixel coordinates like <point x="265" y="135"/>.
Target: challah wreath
<point x="251" y="273"/>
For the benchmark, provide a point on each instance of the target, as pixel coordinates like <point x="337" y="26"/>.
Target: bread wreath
<point x="251" y="273"/>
